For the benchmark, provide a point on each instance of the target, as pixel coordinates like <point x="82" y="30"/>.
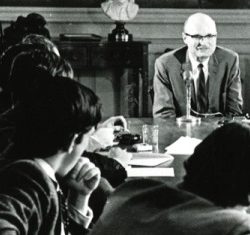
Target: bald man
<point x="215" y="73"/>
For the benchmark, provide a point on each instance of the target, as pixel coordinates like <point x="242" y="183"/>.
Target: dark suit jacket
<point x="29" y="201"/>
<point x="224" y="91"/>
<point x="147" y="207"/>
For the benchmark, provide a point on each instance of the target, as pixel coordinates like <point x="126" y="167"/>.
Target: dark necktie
<point x="202" y="100"/>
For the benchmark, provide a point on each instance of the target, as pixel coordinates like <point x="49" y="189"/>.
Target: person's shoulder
<point x="25" y="170"/>
<point x="236" y="219"/>
<point x="171" y="55"/>
<point x="225" y="52"/>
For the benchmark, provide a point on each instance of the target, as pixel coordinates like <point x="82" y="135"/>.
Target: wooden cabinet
<point x="118" y="56"/>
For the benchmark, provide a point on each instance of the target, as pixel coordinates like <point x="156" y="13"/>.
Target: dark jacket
<point x="29" y="201"/>
<point x="224" y="91"/>
<point x="150" y="207"/>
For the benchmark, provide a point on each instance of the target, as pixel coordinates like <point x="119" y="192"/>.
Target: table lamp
<point x="121" y="11"/>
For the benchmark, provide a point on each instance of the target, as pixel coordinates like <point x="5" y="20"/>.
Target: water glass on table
<point x="150" y="136"/>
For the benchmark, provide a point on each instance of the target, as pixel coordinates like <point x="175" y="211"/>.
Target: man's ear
<point x="78" y="138"/>
<point x="73" y="142"/>
<point x="184" y="38"/>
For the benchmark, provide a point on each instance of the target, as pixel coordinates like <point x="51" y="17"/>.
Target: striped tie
<point x="63" y="210"/>
<point x="202" y="100"/>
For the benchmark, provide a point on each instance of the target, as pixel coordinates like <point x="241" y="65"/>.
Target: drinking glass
<point x="150" y="136"/>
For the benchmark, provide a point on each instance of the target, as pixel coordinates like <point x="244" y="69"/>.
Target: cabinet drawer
<point x="76" y="56"/>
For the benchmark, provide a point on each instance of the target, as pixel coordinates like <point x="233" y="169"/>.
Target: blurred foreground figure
<point x="213" y="198"/>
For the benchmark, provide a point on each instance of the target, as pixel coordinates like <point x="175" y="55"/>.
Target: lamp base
<point x="188" y="119"/>
<point x="120" y="34"/>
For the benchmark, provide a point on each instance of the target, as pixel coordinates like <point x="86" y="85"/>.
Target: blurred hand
<point x="101" y="138"/>
<point x="84" y="177"/>
<point x="115" y="121"/>
<point x="120" y="155"/>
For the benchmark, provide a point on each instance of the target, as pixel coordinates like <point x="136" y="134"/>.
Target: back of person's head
<point x="64" y="69"/>
<point x="9" y="56"/>
<point x="42" y="40"/>
<point x="6" y="65"/>
<point x="219" y="169"/>
<point x="33" y="23"/>
<point x="58" y="109"/>
<point x="18" y="64"/>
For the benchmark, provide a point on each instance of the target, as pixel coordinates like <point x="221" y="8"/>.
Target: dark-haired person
<point x="51" y="133"/>
<point x="28" y="72"/>
<point x="25" y="73"/>
<point x="33" y="23"/>
<point x="42" y="57"/>
<point x="41" y="40"/>
<point x="213" y="198"/>
<point x="216" y="86"/>
<point x="20" y="69"/>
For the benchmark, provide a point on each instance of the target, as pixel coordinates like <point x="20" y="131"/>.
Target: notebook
<point x="149" y="159"/>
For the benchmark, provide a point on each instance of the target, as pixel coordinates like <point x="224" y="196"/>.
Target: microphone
<point x="188" y="77"/>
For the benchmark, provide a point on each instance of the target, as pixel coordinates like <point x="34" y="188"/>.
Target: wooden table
<point x="170" y="131"/>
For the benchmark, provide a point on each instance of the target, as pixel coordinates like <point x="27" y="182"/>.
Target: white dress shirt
<point x="196" y="70"/>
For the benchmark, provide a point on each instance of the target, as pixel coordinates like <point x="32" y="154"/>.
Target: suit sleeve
<point x="234" y="101"/>
<point x="163" y="105"/>
<point x="20" y="201"/>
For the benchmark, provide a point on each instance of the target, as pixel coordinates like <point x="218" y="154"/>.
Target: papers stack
<point x="150" y="172"/>
<point x="149" y="159"/>
<point x="145" y="164"/>
<point x="183" y="146"/>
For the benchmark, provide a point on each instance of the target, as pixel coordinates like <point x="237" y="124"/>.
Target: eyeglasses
<point x="198" y="37"/>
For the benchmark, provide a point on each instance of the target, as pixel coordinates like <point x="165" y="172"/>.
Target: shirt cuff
<point x="80" y="218"/>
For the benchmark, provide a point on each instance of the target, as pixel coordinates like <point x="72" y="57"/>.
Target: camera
<point x="128" y="138"/>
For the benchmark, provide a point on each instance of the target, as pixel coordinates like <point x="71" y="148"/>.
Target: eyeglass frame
<point x="199" y="37"/>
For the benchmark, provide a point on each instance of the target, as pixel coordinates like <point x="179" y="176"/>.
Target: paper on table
<point x="149" y="159"/>
<point x="183" y="146"/>
<point x="150" y="172"/>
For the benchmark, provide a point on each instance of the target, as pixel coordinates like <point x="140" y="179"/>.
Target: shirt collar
<point x="47" y="169"/>
<point x="195" y="63"/>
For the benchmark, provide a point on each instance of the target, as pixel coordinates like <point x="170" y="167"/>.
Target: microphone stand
<point x="188" y="118"/>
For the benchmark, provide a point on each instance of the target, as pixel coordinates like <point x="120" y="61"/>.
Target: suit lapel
<point x="185" y="65"/>
<point x="179" y="82"/>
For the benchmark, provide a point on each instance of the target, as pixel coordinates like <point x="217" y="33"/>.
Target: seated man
<point x="213" y="198"/>
<point x="216" y="85"/>
<point x="51" y="132"/>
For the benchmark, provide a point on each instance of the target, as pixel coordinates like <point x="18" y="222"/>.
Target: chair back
<point x="1" y="38"/>
<point x="151" y="93"/>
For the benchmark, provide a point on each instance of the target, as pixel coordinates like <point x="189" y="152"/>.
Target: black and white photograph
<point x="124" y="117"/>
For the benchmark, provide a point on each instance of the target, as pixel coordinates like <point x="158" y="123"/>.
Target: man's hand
<point x="101" y="138"/>
<point x="115" y="121"/>
<point x="83" y="178"/>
